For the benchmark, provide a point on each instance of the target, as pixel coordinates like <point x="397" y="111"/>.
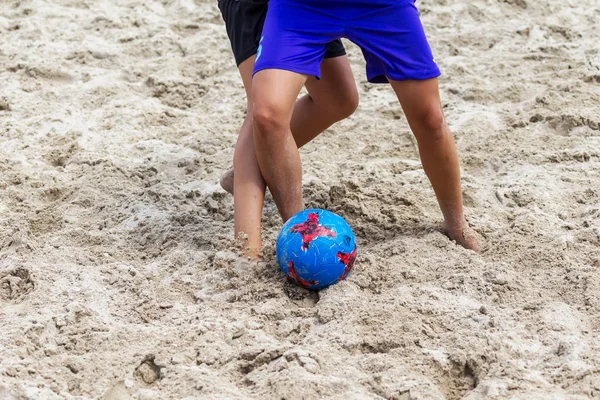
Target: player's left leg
<point x="396" y="49"/>
<point x="420" y="101"/>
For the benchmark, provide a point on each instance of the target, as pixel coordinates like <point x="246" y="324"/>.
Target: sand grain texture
<point x="117" y="276"/>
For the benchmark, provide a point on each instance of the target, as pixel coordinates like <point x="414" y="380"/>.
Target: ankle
<point x="455" y="225"/>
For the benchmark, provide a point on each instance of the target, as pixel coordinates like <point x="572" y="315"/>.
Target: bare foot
<point x="466" y="237"/>
<point x="252" y="254"/>
<point x="227" y="181"/>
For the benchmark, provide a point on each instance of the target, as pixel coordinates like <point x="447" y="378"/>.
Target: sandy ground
<point x="117" y="275"/>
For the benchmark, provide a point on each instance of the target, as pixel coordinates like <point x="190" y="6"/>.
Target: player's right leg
<point x="290" y="52"/>
<point x="274" y="94"/>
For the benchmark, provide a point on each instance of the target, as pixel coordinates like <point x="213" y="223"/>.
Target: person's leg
<point x="250" y="187"/>
<point x="332" y="98"/>
<point x="395" y="47"/>
<point x="244" y="22"/>
<point x="274" y="93"/>
<point x="420" y="101"/>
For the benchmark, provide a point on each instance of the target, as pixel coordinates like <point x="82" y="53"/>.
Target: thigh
<point x="337" y="84"/>
<point x="393" y="41"/>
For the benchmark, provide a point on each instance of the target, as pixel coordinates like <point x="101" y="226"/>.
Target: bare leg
<point x="420" y="101"/>
<point x="250" y="187"/>
<point x="274" y="94"/>
<point x="330" y="99"/>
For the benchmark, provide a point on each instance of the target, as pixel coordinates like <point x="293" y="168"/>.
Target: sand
<point x="118" y="278"/>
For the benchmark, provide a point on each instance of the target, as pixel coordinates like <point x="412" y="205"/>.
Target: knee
<point x="269" y="119"/>
<point x="348" y="104"/>
<point x="344" y="105"/>
<point x="432" y="123"/>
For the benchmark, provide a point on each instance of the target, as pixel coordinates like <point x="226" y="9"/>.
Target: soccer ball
<point x="316" y="248"/>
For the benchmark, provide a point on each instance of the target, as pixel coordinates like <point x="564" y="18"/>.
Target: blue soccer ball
<point x="316" y="248"/>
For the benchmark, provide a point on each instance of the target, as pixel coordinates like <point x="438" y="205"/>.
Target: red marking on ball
<point x="348" y="260"/>
<point x="294" y="275"/>
<point x="310" y="230"/>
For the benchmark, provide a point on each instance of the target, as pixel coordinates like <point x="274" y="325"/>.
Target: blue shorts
<point x="389" y="33"/>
